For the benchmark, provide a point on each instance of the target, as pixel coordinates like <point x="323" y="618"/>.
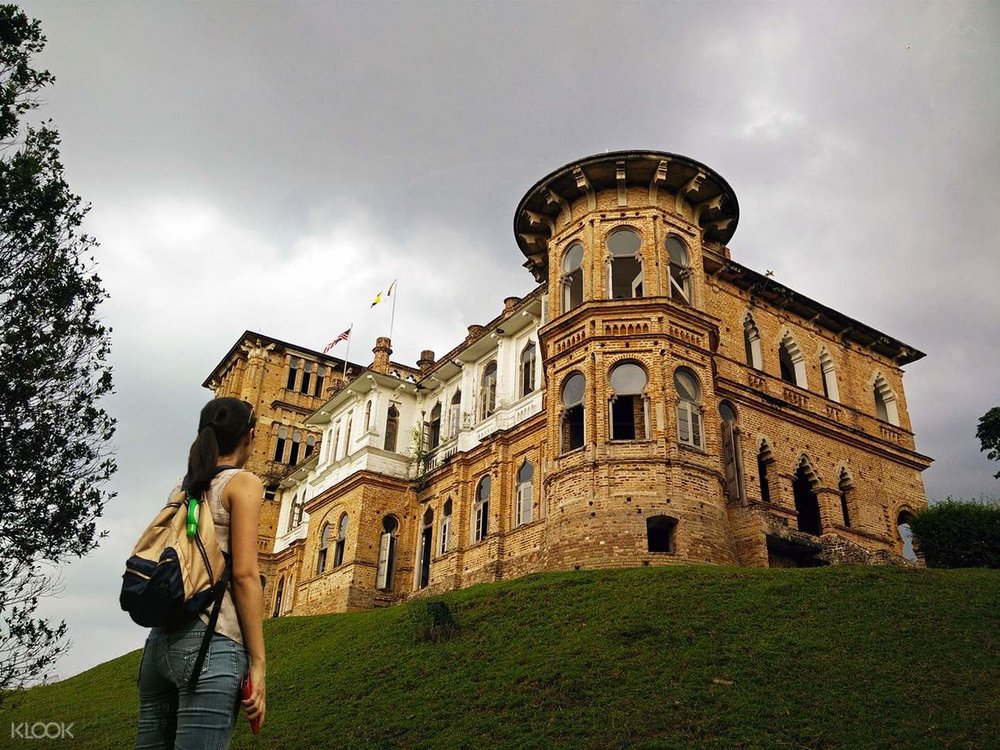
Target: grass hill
<point x="680" y="657"/>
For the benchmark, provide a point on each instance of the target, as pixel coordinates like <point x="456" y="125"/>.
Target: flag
<point x="342" y="337"/>
<point x="382" y="295"/>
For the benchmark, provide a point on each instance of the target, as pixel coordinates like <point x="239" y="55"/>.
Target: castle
<point x="650" y="402"/>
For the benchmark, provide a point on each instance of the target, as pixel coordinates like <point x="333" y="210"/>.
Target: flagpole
<point x="346" y="356"/>
<point x="392" y="315"/>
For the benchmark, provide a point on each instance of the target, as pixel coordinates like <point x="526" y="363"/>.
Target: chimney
<point x="426" y="361"/>
<point x="509" y="304"/>
<point x="382" y="352"/>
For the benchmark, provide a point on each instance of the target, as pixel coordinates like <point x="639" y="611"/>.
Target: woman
<point x="204" y="718"/>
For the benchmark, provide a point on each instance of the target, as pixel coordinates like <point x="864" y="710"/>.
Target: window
<point x="885" y="401"/>
<point x="680" y="271"/>
<point x="434" y="433"/>
<point x="293" y="371"/>
<point x="481" y="510"/>
<point x="732" y="460"/>
<point x="338" y="550"/>
<point x="279" y="447"/>
<point x="335" y="443"/>
<point x="386" y="554"/>
<point x="523" y="496"/>
<point x="347" y="432"/>
<point x="320" y="374"/>
<point x="573" y="277"/>
<point x="277" y="597"/>
<point x="845" y="486"/>
<point x="625" y="272"/>
<point x="455" y="414"/>
<point x="830" y="389"/>
<point x="424" y="559"/>
<point x="368" y="416"/>
<point x="528" y="369"/>
<point x="310" y="445"/>
<point x="300" y="508"/>
<point x="660" y="533"/>
<point x="751" y="343"/>
<point x="765" y="457"/>
<point x="306" y="375"/>
<point x="628" y="402"/>
<point x="391" y="428"/>
<point x="905" y="534"/>
<point x="572" y="416"/>
<point x="445" y="527"/>
<point x="791" y="361"/>
<point x="689" y="430"/>
<point x="488" y="394"/>
<point x="324" y="543"/>
<point x="293" y="456"/>
<point x="806" y="502"/>
<point x="291" y="514"/>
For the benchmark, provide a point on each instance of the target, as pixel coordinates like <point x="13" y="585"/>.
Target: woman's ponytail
<point x="202" y="458"/>
<point x="223" y="424"/>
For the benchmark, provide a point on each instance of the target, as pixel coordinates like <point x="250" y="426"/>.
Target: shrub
<point x="959" y="534"/>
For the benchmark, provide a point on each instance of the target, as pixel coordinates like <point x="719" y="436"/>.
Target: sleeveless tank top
<point x="228" y="623"/>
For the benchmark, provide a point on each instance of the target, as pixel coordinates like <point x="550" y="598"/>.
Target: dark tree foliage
<point x="988" y="433"/>
<point x="54" y="435"/>
<point x="959" y="534"/>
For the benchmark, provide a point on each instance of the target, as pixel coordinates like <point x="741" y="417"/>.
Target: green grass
<point x="680" y="657"/>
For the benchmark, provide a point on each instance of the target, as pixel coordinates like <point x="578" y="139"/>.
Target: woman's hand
<point x="255" y="706"/>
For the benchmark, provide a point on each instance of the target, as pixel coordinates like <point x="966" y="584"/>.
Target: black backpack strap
<point x="213" y="618"/>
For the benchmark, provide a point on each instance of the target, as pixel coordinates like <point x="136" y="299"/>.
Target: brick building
<point x="651" y="402"/>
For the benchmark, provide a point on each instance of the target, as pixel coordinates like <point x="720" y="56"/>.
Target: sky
<point x="271" y="166"/>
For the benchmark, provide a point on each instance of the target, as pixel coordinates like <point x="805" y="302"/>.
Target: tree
<point x="55" y="458"/>
<point x="988" y="433"/>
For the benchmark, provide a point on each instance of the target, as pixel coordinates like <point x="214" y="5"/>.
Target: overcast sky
<point x="272" y="165"/>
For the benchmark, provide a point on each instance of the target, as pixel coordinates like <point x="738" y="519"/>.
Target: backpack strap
<point x="210" y="628"/>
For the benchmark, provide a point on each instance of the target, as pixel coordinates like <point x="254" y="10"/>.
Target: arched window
<point x="488" y="392"/>
<point x="689" y="430"/>
<point x="573" y="277"/>
<point x="292" y="506"/>
<point x="306" y="376"/>
<point x="279" y="447"/>
<point x="791" y="361"/>
<point x="455" y="414"/>
<point x="293" y="456"/>
<point x="368" y="416"/>
<point x="528" y="369"/>
<point x="628" y="402"/>
<point x="660" y="533"/>
<point x="386" y="554"/>
<point x="277" y="597"/>
<point x="481" y="510"/>
<point x="310" y="445"/>
<point x="335" y="443"/>
<point x="845" y="486"/>
<point x="348" y="420"/>
<point x="572" y="416"/>
<point x="424" y="559"/>
<point x="320" y="375"/>
<point x="293" y="371"/>
<point x="523" y="496"/>
<point x="885" y="401"/>
<point x="732" y="459"/>
<point x="434" y="432"/>
<point x="445" y="531"/>
<point x="338" y="550"/>
<point x="830" y="389"/>
<point x="625" y="259"/>
<point x="391" y="428"/>
<point x="751" y="343"/>
<point x="300" y="507"/>
<point x="806" y="502"/>
<point x="324" y="543"/>
<point x="765" y="457"/>
<point x="905" y="534"/>
<point x="680" y="271"/>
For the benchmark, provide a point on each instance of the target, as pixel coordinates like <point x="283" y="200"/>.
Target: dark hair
<point x="223" y="424"/>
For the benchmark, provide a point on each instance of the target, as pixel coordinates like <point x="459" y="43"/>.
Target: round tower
<point x="633" y="468"/>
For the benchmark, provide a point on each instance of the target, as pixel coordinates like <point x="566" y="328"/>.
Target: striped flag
<point x="342" y="337"/>
<point x="383" y="295"/>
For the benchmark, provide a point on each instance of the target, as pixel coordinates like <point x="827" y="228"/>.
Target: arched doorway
<point x="424" y="565"/>
<point x="806" y="502"/>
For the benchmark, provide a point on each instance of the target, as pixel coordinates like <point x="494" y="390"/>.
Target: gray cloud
<point x="270" y="166"/>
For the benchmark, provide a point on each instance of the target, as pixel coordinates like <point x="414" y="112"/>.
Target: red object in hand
<point x="247" y="689"/>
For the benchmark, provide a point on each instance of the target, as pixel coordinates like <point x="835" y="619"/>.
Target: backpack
<point x="177" y="569"/>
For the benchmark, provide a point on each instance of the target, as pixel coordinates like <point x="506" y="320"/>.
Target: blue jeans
<point x="171" y="717"/>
